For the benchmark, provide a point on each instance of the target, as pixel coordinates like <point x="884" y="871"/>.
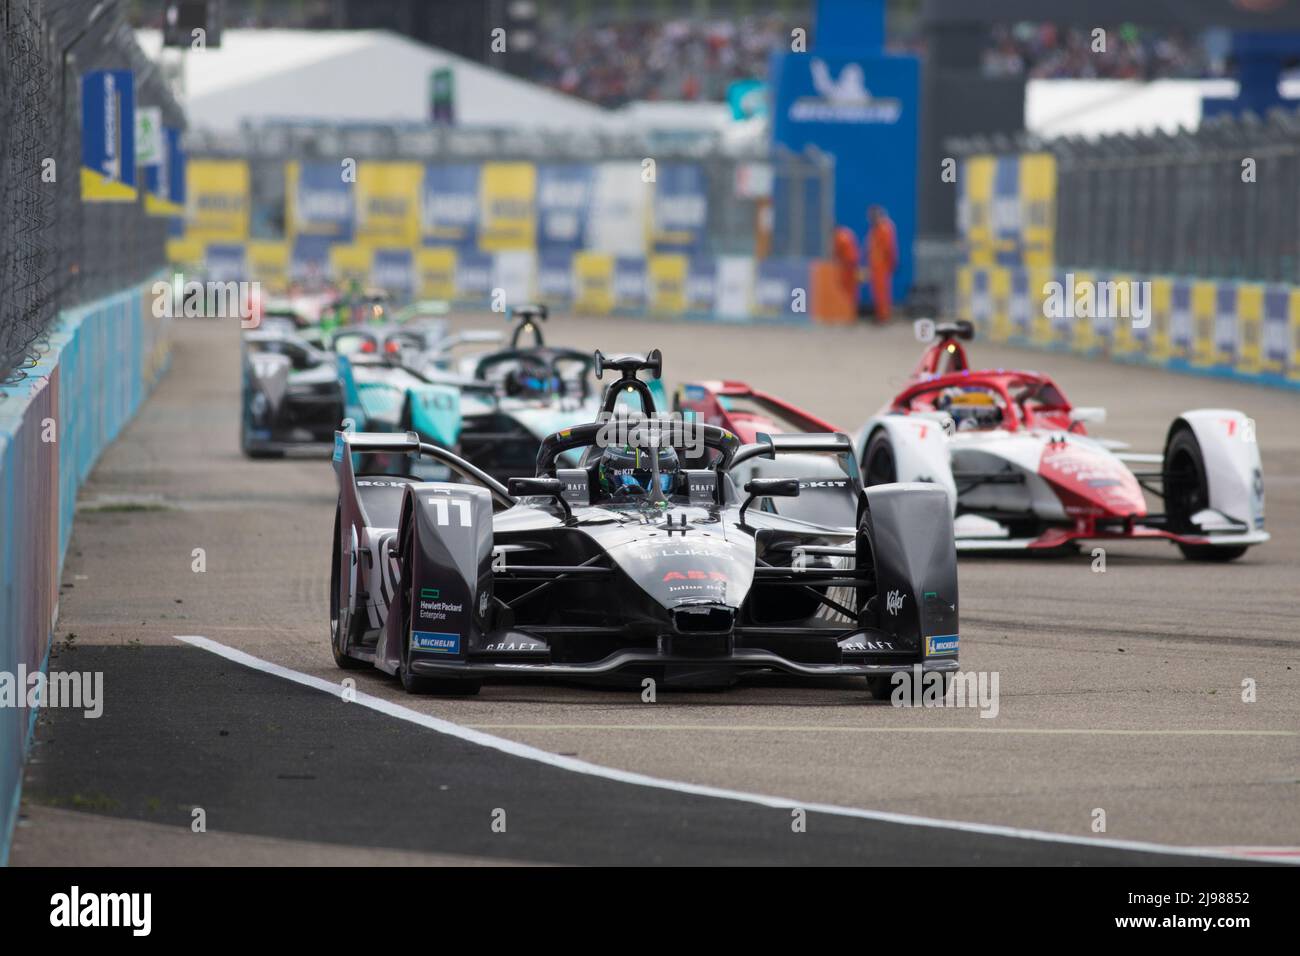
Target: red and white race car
<point x="1021" y="470"/>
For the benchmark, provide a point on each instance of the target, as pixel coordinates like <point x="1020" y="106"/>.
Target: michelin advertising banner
<point x="164" y="181"/>
<point x="863" y="111"/>
<point x="108" y="136"/>
<point x="449" y="205"/>
<point x="318" y="202"/>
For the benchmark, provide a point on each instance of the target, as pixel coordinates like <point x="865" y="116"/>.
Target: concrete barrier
<point x="102" y="359"/>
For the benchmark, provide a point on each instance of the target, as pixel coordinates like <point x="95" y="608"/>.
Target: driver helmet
<point x="970" y="408"/>
<point x="628" y="469"/>
<point x="525" y="383"/>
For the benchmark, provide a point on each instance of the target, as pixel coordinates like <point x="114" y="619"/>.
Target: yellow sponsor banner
<point x="1122" y="340"/>
<point x="268" y="262"/>
<point x="351" y="263"/>
<point x="976" y="212"/>
<point x="186" y="255"/>
<point x="1000" y="303"/>
<point x="593" y="283"/>
<point x="1250" y="328"/>
<point x="158" y="206"/>
<point x="667" y="281"/>
<point x="507" y="207"/>
<point x="388" y="203"/>
<point x="1204" y="307"/>
<point x="1293" y="366"/>
<point x="1083" y="337"/>
<point x="1040" y="325"/>
<point x="96" y="187"/>
<point x="965" y="288"/>
<point x="435" y="273"/>
<point x="1038" y="208"/>
<point x="1162" y="309"/>
<point x="217" y="200"/>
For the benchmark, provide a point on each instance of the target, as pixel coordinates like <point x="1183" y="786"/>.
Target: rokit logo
<point x="76" y="909"/>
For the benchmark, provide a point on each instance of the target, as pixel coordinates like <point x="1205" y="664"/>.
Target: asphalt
<point x="1119" y="691"/>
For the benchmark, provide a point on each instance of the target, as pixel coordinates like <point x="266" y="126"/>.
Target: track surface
<point x="1119" y="691"/>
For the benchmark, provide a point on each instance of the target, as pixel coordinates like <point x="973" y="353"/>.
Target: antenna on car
<point x="528" y="314"/>
<point x="628" y="365"/>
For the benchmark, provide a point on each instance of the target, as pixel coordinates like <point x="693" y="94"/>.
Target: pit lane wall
<point x="101" y="361"/>
<point x="1228" y="328"/>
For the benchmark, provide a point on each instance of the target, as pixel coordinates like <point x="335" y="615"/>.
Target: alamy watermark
<point x="75" y="690"/>
<point x="1085" y="299"/>
<point x="214" y="300"/>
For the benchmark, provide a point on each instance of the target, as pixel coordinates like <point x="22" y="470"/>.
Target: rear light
<point x="392" y="348"/>
<point x="367" y="346"/>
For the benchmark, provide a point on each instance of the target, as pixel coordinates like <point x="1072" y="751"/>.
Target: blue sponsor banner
<point x="1275" y="344"/>
<point x="322" y="203"/>
<point x="1180" y="321"/>
<point x="864" y="111"/>
<point x="563" y="203"/>
<point x="225" y="262"/>
<point x="1007" y="228"/>
<point x="108" y="136"/>
<point x="1021" y="306"/>
<point x="394" y="270"/>
<point x="473" y="275"/>
<point x="681" y="207"/>
<point x="1225" y="325"/>
<point x="309" y="259"/>
<point x="779" y="286"/>
<point x="449" y="206"/>
<point x="175" y="166"/>
<point x="702" y="285"/>
<point x="629" y="284"/>
<point x="555" y="275"/>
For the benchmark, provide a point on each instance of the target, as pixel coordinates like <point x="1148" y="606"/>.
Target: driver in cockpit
<point x="626" y="471"/>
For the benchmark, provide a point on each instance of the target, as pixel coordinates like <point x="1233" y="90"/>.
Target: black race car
<point x="673" y="551"/>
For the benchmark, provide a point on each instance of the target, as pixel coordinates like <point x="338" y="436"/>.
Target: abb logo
<point x="695" y="576"/>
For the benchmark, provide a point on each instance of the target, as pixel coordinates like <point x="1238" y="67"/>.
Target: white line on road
<point x="832" y="729"/>
<point x="516" y="749"/>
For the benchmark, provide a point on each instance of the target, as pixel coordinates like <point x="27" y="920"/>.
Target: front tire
<point x="1186" y="492"/>
<point x="879" y="466"/>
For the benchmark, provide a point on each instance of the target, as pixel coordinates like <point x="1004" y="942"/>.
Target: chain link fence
<point x="55" y="250"/>
<point x="1220" y="202"/>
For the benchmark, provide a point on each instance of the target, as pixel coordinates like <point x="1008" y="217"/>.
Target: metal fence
<point x="802" y="194"/>
<point x="1220" y="202"/>
<point x="55" y="250"/>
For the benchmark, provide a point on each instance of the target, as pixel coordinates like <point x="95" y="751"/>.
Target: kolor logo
<point x="103" y="909"/>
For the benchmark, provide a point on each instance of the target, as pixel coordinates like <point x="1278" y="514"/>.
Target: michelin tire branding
<point x="435" y="642"/>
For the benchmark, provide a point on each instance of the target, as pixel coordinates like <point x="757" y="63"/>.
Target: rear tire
<point x="1187" y="492"/>
<point x="879" y="466"/>
<point x="338" y="634"/>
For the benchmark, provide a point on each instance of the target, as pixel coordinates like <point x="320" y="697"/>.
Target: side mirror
<point x="769" y="488"/>
<point x="1089" y="416"/>
<point x="540" y="488"/>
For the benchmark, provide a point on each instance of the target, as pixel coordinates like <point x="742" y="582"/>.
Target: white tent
<point x="354" y="76"/>
<point x="1102" y="107"/>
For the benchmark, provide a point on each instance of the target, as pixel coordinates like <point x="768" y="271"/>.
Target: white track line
<point x="572" y="764"/>
<point x="840" y="729"/>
